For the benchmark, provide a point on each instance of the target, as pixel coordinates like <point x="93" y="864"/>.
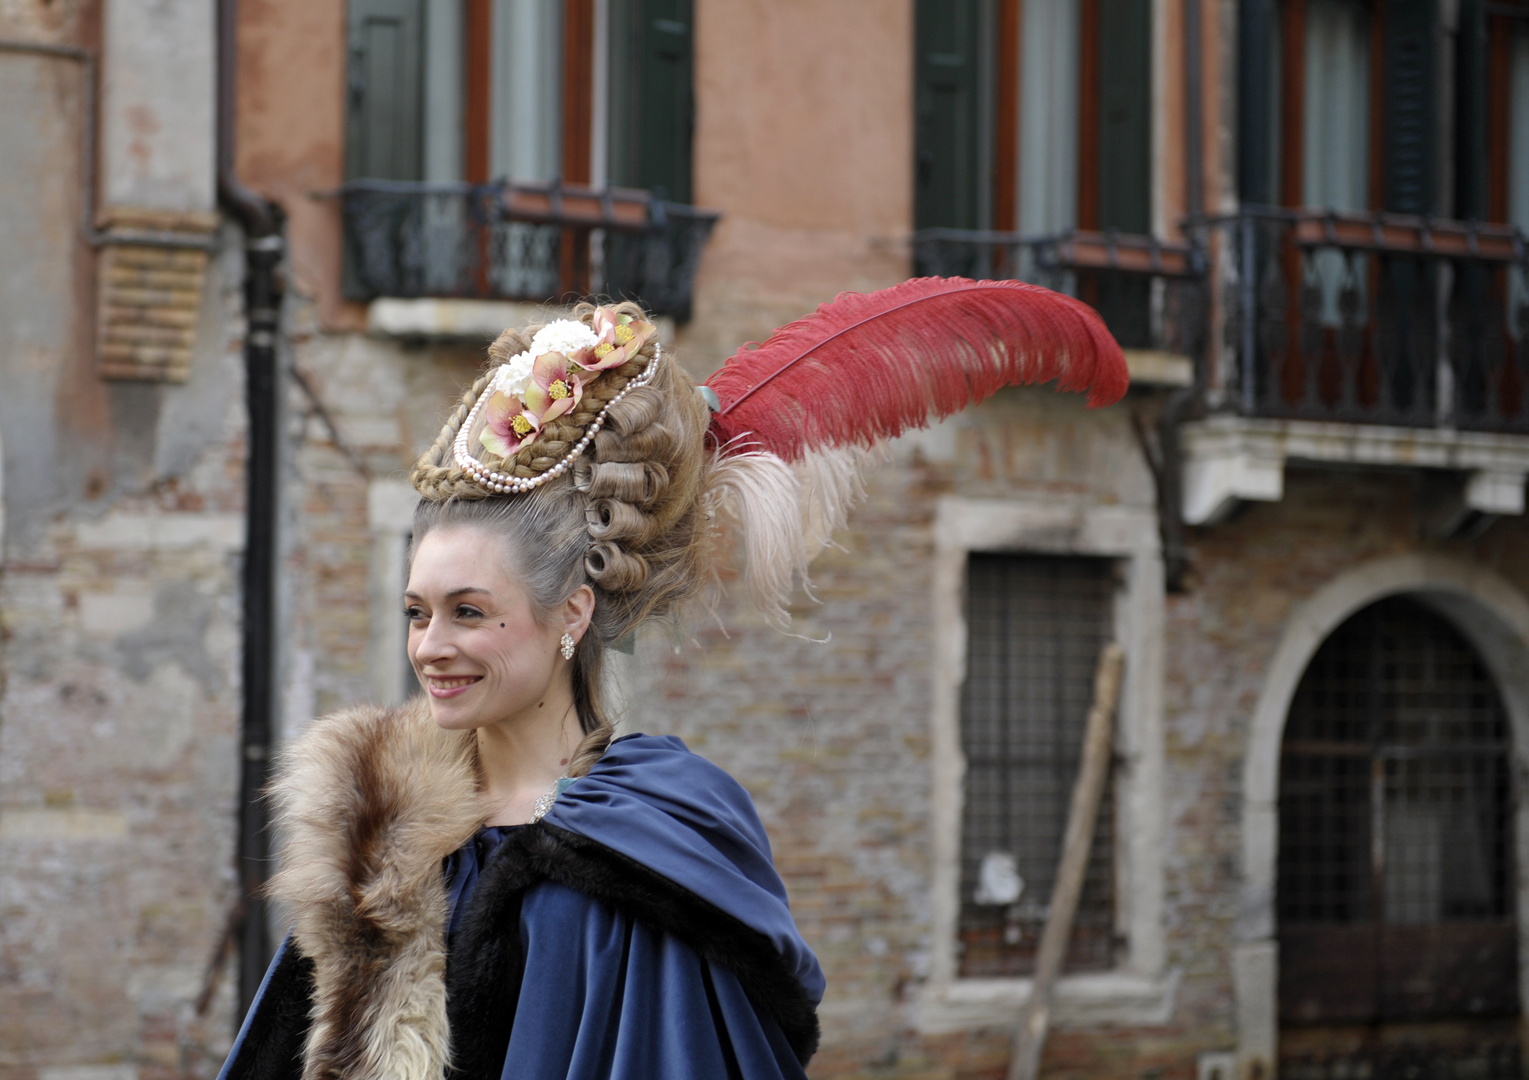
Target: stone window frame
<point x="1140" y="989"/>
<point x="389" y="522"/>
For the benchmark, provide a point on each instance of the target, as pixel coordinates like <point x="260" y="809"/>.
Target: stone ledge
<point x="1155" y="367"/>
<point x="47" y="824"/>
<point x="1231" y="459"/>
<point x="448" y="319"/>
<point x="1116" y="998"/>
<point x="478" y="321"/>
<point x="124" y="531"/>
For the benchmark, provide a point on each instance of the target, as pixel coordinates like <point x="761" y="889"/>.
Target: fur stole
<point x="368" y="802"/>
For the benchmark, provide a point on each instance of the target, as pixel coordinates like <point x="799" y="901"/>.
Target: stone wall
<point x="119" y="639"/>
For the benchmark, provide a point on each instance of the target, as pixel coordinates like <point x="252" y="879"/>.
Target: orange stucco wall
<point x="290" y="143"/>
<point x="804" y="140"/>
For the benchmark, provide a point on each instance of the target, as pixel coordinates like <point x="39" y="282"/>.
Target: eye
<point x="467" y="611"/>
<point x="414" y="613"/>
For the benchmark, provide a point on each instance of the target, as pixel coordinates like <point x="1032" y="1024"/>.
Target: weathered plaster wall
<point x="118" y="601"/>
<point x="158" y="94"/>
<point x="118" y="759"/>
<point x="291" y="136"/>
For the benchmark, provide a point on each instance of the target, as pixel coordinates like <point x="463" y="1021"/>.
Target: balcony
<point x="1151" y="293"/>
<point x="1380" y="319"/>
<point x="1377" y="340"/>
<point x="524" y="242"/>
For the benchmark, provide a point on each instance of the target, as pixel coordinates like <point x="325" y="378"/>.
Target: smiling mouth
<point x="451" y="687"/>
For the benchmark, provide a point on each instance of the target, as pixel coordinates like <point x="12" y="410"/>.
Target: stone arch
<point x="1494" y="616"/>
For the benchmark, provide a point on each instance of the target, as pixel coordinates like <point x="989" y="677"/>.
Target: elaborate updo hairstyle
<point x="627" y="518"/>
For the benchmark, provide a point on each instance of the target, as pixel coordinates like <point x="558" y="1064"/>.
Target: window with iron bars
<point x="1035" y="627"/>
<point x="1395" y="865"/>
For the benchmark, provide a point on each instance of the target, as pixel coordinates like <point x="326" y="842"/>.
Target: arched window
<point x="1396" y="877"/>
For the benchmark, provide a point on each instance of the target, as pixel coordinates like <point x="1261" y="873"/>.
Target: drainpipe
<point x="261" y="221"/>
<point x="1185" y="402"/>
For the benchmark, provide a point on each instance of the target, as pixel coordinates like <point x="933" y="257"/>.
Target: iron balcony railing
<point x="521" y="242"/>
<point x="1377" y="318"/>
<point x="1151" y="293"/>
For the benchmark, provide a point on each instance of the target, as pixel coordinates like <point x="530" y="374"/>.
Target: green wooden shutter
<point x="947" y="137"/>
<point x="668" y="96"/>
<point x="1125" y="119"/>
<point x="652" y="95"/>
<point x="1410" y="94"/>
<point x="1257" y="63"/>
<point x="1125" y="159"/>
<point x="1471" y="134"/>
<point x="383" y="100"/>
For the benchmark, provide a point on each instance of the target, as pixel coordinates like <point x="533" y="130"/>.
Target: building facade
<point x="1303" y="219"/>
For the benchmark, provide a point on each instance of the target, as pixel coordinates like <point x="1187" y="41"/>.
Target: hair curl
<point x="628" y="519"/>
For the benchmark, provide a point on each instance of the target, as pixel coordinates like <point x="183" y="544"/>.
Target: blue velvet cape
<point x="639" y="930"/>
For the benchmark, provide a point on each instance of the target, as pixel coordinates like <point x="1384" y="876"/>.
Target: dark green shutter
<point x="668" y="96"/>
<point x="385" y="41"/>
<point x="1256" y="58"/>
<point x="1471" y="112"/>
<point x="1125" y="159"/>
<point x="652" y="96"/>
<point x="947" y="137"/>
<point x="1410" y="95"/>
<point x="1125" y="119"/>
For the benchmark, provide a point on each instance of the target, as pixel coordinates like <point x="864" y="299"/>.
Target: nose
<point x="433" y="645"/>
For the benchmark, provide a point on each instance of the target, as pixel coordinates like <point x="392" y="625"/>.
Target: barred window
<point x="1035" y="628"/>
<point x="1395" y="860"/>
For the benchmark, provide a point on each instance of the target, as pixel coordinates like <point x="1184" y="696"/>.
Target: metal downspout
<point x="261" y="221"/>
<point x="1185" y="402"/>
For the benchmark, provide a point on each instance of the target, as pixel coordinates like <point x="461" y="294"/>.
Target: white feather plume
<point x="781" y="516"/>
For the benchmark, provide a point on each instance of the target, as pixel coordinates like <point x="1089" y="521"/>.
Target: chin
<point x="450" y="719"/>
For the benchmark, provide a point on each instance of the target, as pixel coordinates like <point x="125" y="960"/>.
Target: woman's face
<point x="475" y="644"/>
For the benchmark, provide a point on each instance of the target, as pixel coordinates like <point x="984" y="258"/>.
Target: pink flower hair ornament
<point x="621" y="336"/>
<point x="556" y="387"/>
<point x="508" y="425"/>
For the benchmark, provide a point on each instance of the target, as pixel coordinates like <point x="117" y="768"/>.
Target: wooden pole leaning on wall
<point x="1087" y="792"/>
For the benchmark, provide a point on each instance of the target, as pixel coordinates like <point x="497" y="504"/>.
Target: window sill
<point x="476" y="321"/>
<point x="1088" y="1000"/>
<point x="447" y="319"/>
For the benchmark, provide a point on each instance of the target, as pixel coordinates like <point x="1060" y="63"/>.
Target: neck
<point x="522" y="756"/>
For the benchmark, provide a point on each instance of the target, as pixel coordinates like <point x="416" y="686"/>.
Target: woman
<point x="486" y="882"/>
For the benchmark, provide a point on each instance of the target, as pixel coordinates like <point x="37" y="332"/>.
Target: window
<point x="1354" y="105"/>
<point x="1035" y="628"/>
<point x="590" y="91"/>
<point x="1033" y="116"/>
<point x="1395" y="868"/>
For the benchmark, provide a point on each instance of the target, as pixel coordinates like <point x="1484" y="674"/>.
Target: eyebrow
<point x="452" y="593"/>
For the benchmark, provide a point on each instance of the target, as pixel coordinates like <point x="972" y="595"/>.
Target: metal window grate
<point x="1394" y="866"/>
<point x="1035" y="628"/>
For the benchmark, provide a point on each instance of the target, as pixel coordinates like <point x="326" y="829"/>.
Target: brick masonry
<point x="150" y="295"/>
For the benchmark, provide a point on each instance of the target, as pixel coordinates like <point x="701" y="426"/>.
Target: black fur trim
<point x="484" y="971"/>
<point x="273" y="1047"/>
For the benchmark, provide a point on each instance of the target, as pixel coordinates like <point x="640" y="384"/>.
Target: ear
<point x="577" y="610"/>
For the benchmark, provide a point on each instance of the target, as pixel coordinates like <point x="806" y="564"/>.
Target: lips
<point x="449" y="687"/>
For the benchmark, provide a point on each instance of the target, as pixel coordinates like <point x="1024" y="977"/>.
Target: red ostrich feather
<point x="868" y="366"/>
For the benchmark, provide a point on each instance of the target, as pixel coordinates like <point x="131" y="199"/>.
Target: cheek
<point x="517" y="647"/>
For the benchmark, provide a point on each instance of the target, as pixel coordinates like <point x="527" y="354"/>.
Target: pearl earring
<point x="567" y="644"/>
